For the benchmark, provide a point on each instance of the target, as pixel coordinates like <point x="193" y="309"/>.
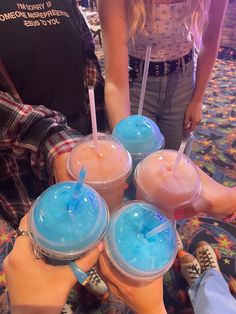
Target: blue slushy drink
<point x="64" y="233"/>
<point x="140" y="136"/>
<point x="129" y="248"/>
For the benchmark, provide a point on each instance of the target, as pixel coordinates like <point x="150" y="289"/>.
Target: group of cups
<point x="139" y="235"/>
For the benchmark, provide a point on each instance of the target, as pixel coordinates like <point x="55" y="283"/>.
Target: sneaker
<point x="67" y="309"/>
<point x="189" y="267"/>
<point x="206" y="256"/>
<point x="179" y="242"/>
<point x="95" y="284"/>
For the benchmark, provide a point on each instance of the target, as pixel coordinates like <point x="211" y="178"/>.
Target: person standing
<point x="184" y="36"/>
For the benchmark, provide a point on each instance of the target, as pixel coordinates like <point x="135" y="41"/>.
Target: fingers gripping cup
<point x="107" y="171"/>
<point x="62" y="233"/>
<point x="168" y="189"/>
<point x="140" y="136"/>
<point x="132" y="249"/>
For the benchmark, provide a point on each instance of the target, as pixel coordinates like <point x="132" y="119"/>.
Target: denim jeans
<point x="210" y="294"/>
<point x="166" y="100"/>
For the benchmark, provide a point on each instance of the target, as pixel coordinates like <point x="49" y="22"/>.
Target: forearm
<point x="114" y="32"/>
<point x="117" y="103"/>
<point x="37" y="132"/>
<point x="220" y="199"/>
<point x="205" y="64"/>
<point x="225" y="202"/>
<point x="57" y="145"/>
<point x="210" y="45"/>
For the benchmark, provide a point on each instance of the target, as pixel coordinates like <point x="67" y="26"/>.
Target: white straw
<point x="144" y="79"/>
<point x="93" y="117"/>
<point x="158" y="229"/>
<point x="179" y="155"/>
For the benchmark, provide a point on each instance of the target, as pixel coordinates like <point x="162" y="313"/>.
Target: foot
<point x="189" y="267"/>
<point x="67" y="309"/>
<point x="206" y="256"/>
<point x="96" y="285"/>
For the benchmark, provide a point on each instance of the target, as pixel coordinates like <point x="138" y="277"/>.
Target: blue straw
<point x="75" y="198"/>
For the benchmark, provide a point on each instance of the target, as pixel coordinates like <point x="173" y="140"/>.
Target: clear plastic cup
<point x="141" y="137"/>
<point x="130" y="251"/>
<point x="61" y="233"/>
<point x="170" y="191"/>
<point x="106" y="173"/>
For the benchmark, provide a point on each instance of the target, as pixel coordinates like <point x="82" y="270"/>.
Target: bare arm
<point x="114" y="31"/>
<point x="206" y="60"/>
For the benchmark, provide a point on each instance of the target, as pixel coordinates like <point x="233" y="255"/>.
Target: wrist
<point x="197" y="100"/>
<point x="227" y="209"/>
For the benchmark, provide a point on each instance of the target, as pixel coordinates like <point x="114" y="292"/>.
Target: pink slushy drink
<point x="169" y="190"/>
<point x="106" y="171"/>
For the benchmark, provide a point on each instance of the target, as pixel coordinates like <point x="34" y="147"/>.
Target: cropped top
<point x="169" y="37"/>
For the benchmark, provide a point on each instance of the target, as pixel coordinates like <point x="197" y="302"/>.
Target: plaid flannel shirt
<point x="31" y="137"/>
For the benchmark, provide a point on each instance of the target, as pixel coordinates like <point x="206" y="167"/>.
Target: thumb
<point x="90" y="258"/>
<point x="187" y="121"/>
<point x="65" y="274"/>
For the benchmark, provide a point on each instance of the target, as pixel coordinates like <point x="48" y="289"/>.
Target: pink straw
<point x="93" y="117"/>
<point x="144" y="80"/>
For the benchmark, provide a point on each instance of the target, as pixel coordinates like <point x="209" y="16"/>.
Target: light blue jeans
<point x="210" y="294"/>
<point x="166" y="100"/>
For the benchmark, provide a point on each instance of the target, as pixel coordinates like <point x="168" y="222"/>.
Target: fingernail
<point x="100" y="247"/>
<point x="105" y="296"/>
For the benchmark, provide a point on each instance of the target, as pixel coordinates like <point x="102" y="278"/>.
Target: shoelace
<point x="206" y="259"/>
<point x="94" y="277"/>
<point x="194" y="272"/>
<point x="66" y="310"/>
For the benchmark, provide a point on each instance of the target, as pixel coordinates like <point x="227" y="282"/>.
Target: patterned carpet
<point x="214" y="150"/>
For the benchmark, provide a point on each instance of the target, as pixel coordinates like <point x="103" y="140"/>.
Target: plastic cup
<point x="106" y="173"/>
<point x="170" y="191"/>
<point x="130" y="251"/>
<point x="141" y="137"/>
<point x="63" y="234"/>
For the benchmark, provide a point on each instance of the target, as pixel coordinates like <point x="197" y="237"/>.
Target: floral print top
<point x="169" y="36"/>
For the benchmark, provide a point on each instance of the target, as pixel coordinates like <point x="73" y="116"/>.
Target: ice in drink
<point x="106" y="171"/>
<point x="169" y="190"/>
<point x="128" y="248"/>
<point x="64" y="233"/>
<point x="141" y="137"/>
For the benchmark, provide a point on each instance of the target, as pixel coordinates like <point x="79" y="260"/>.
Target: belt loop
<point x="183" y="65"/>
<point x="162" y="98"/>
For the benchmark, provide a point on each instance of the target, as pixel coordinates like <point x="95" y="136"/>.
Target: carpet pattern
<point x="214" y="149"/>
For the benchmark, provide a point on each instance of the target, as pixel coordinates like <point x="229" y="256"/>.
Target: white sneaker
<point x="190" y="268"/>
<point x="206" y="256"/>
<point x="95" y="284"/>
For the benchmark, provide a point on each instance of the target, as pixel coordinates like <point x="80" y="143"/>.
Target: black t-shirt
<point x="42" y="50"/>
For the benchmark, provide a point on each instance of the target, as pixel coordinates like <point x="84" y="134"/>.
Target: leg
<point x="210" y="294"/>
<point x="166" y="101"/>
<point x="178" y="94"/>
